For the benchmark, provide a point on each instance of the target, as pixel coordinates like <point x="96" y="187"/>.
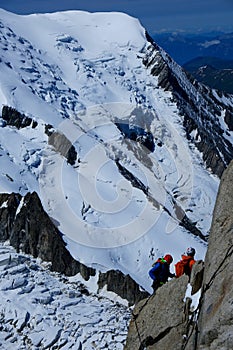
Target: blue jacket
<point x="160" y="272"/>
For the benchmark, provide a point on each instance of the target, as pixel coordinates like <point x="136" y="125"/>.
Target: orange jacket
<point x="190" y="259"/>
<point x="184" y="265"/>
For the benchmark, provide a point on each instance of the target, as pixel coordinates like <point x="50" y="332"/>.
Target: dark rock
<point x="63" y="145"/>
<point x="133" y="179"/>
<point x="49" y="129"/>
<point x="137" y="134"/>
<point x="229" y="118"/>
<point x="8" y="206"/>
<point x="17" y="119"/>
<point x="122" y="285"/>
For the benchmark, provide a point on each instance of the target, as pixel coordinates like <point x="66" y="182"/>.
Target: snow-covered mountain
<point x="146" y="140"/>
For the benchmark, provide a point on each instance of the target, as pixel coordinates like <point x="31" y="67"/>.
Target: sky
<point x="155" y="15"/>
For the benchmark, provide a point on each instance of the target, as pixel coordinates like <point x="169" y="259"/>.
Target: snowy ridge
<point x="83" y="74"/>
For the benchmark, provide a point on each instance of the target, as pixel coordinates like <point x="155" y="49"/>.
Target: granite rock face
<point x="161" y="319"/>
<point x="215" y="323"/>
<point x="167" y="320"/>
<point x="196" y="277"/>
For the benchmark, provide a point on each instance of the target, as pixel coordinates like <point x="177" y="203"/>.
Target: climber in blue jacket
<point x="160" y="271"/>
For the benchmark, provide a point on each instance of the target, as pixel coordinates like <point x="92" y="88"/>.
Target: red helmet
<point x="168" y="258"/>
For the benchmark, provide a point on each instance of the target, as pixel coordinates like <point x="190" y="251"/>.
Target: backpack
<point x="182" y="267"/>
<point x="159" y="271"/>
<point x="160" y="260"/>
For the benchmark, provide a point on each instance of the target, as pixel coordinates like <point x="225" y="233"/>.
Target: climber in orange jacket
<point x="184" y="266"/>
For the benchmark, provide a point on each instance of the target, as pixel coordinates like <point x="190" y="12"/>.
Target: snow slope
<point x="81" y="73"/>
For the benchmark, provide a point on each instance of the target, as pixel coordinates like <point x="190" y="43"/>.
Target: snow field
<point x="44" y="310"/>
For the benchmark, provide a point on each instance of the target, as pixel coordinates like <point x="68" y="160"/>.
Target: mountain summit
<point x="124" y="149"/>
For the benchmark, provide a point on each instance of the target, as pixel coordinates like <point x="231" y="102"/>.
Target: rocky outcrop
<point x="126" y="287"/>
<point x="196" y="277"/>
<point x="215" y="322"/>
<point x="228" y="118"/>
<point x="14" y="118"/>
<point x="29" y="229"/>
<point x="63" y="145"/>
<point x="160" y="320"/>
<point x="165" y="320"/>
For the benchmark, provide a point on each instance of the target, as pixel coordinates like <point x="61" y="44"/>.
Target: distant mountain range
<point x="185" y="47"/>
<point x="212" y="71"/>
<point x="207" y="56"/>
